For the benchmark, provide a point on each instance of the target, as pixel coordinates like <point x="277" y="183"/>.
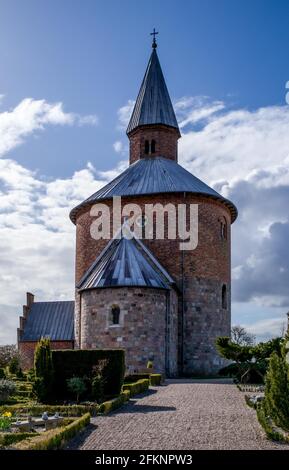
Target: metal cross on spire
<point x="154" y="33"/>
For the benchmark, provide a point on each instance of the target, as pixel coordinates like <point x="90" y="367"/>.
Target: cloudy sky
<point x="70" y="72"/>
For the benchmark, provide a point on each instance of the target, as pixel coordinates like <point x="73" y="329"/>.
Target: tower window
<point x="153" y="146"/>
<point x="224" y="229"/>
<point x="115" y="311"/>
<point x="147" y="147"/>
<point x="224" y="296"/>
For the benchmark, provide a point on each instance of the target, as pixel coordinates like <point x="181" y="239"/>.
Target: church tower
<point x="148" y="296"/>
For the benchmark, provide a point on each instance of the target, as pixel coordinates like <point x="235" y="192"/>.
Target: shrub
<point x="155" y="379"/>
<point x="19" y="374"/>
<point x="135" y="377"/>
<point x="63" y="410"/>
<point x="5" y="421"/>
<point x="2" y="374"/>
<point x="31" y="375"/>
<point x="81" y="363"/>
<point x="43" y="370"/>
<point x="276" y="403"/>
<point x="98" y="381"/>
<point x="55" y="438"/>
<point x="77" y="386"/>
<point x="14" y="365"/>
<point x="7" y="388"/>
<point x="138" y="387"/>
<point x="115" y="403"/>
<point x="9" y="438"/>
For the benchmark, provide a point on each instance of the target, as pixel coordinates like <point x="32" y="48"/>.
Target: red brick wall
<point x="210" y="259"/>
<point x="27" y="348"/>
<point x="166" y="139"/>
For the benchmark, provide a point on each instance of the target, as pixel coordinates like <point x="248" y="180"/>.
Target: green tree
<point x="77" y="386"/>
<point x="276" y="403"/>
<point x="14" y="365"/>
<point x="241" y="336"/>
<point x="234" y="352"/>
<point x="43" y="370"/>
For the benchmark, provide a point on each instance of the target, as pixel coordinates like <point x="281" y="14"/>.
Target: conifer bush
<point x="43" y="367"/>
<point x="276" y="403"/>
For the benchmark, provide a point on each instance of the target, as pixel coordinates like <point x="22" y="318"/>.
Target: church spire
<point x="153" y="105"/>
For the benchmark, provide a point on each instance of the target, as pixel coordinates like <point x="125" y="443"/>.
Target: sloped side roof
<point x="125" y="262"/>
<point x="152" y="176"/>
<point x="153" y="104"/>
<point x="50" y="319"/>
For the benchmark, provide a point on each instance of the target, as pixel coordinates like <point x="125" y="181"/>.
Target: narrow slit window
<point x="147" y="147"/>
<point x="224" y="296"/>
<point x="153" y="146"/>
<point x="115" y="312"/>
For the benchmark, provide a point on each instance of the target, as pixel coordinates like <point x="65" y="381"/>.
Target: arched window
<point x="147" y="147"/>
<point x="153" y="146"/>
<point x="224" y="229"/>
<point x="224" y="296"/>
<point x="115" y="311"/>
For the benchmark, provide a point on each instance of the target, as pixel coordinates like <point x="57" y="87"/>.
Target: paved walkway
<point x="183" y="414"/>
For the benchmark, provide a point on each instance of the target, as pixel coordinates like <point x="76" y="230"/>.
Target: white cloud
<point x="124" y="114"/>
<point x="32" y="115"/>
<point x="118" y="146"/>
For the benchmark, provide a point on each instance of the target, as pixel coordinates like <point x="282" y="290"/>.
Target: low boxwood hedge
<point x="137" y="387"/>
<point x="63" y="410"/>
<point x="9" y="438"/>
<point x="55" y="438"/>
<point x="131" y="378"/>
<point x="115" y="403"/>
<point x="156" y="379"/>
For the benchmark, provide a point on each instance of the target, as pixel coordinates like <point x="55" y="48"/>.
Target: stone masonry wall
<point x="26" y="350"/>
<point x="142" y="328"/>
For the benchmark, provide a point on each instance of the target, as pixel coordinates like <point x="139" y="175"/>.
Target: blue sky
<point x="70" y="70"/>
<point x="91" y="56"/>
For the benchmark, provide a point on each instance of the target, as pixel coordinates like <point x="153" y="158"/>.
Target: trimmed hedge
<point x="9" y="438"/>
<point x="138" y="387"/>
<point x="156" y="379"/>
<point x="115" y="403"/>
<point x="35" y="410"/>
<point x="55" y="438"/>
<point x="79" y="363"/>
<point x="131" y="378"/>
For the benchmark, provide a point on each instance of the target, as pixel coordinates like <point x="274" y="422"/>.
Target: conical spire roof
<point x="153" y="104"/>
<point x="125" y="262"/>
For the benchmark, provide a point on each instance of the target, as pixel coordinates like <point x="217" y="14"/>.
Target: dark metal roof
<point x="152" y="176"/>
<point x="125" y="262"/>
<point x="50" y="319"/>
<point x="153" y="104"/>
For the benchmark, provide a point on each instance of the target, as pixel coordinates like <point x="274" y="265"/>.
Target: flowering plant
<point x="5" y="421"/>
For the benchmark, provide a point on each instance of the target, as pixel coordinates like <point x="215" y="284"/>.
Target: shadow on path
<point x="134" y="407"/>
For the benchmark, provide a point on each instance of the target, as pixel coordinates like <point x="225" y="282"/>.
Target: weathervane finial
<point x="154" y="33"/>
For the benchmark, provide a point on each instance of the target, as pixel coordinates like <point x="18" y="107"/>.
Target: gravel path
<point x="182" y="414"/>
